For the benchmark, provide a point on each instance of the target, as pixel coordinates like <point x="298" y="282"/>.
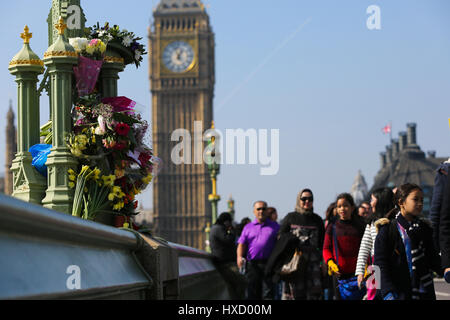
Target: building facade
<point x="181" y="45"/>
<point x="404" y="161"/>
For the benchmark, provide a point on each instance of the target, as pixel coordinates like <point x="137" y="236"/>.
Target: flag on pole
<point x="387" y="129"/>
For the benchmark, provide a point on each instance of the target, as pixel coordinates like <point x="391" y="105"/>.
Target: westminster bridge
<point x="51" y="255"/>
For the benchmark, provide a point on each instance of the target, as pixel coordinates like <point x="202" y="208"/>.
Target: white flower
<point x="83" y="42"/>
<point x="127" y="41"/>
<point x="79" y="44"/>
<point x="137" y="55"/>
<point x="101" y="129"/>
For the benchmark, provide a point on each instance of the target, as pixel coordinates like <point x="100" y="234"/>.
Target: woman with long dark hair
<point x="341" y="244"/>
<point x="222" y="239"/>
<point x="382" y="202"/>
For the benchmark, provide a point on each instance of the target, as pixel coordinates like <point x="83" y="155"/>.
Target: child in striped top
<point x="382" y="201"/>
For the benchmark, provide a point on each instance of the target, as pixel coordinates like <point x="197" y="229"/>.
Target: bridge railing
<point x="45" y="254"/>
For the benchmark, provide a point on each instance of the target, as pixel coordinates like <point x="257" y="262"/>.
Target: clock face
<point x="178" y="56"/>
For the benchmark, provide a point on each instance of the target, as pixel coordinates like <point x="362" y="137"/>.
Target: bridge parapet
<point x="50" y="255"/>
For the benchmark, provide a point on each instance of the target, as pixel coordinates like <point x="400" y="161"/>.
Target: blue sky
<point x="311" y="69"/>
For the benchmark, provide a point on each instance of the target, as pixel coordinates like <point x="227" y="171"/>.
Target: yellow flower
<point x="84" y="169"/>
<point x="76" y="152"/>
<point x="116" y="193"/>
<point x="96" y="173"/>
<point x="102" y="47"/>
<point x="72" y="177"/>
<point x="109" y="180"/>
<point x="90" y="49"/>
<point x="71" y="185"/>
<point x="118" y="206"/>
<point x="126" y="225"/>
<point x="81" y="140"/>
<point x="136" y="191"/>
<point x="119" y="173"/>
<point x="147" y="179"/>
<point x="71" y="172"/>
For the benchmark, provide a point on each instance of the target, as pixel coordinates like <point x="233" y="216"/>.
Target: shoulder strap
<point x="335" y="243"/>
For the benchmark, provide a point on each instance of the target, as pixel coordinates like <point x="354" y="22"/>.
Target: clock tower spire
<point x="182" y="85"/>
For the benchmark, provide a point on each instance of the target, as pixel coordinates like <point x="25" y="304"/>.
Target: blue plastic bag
<point x="39" y="152"/>
<point x="349" y="289"/>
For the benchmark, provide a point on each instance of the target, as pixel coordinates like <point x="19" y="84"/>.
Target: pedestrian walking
<point x="330" y="214"/>
<point x="364" y="209"/>
<point x="404" y="249"/>
<point x="329" y="286"/>
<point x="272" y="214"/>
<point x="222" y="239"/>
<point x="440" y="182"/>
<point x="382" y="202"/>
<point x="341" y="247"/>
<point x="241" y="226"/>
<point x="255" y="245"/>
<point x="308" y="228"/>
<point x="444" y="229"/>
<point x="278" y="285"/>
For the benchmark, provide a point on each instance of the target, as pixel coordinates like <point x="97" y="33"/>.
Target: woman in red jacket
<point x="341" y="257"/>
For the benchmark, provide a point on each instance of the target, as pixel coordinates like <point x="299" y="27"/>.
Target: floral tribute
<point x="108" y="134"/>
<point x="116" y="164"/>
<point x="123" y="37"/>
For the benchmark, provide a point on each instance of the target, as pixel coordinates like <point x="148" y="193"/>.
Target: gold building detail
<point x="181" y="46"/>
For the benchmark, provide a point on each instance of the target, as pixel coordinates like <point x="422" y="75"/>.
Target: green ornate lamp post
<point x="213" y="162"/>
<point x="113" y="64"/>
<point x="60" y="58"/>
<point x="29" y="185"/>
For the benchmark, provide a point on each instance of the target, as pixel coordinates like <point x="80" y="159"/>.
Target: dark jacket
<point x="295" y="226"/>
<point x="314" y="230"/>
<point x="282" y="253"/>
<point x="444" y="226"/>
<point x="390" y="257"/>
<point x="222" y="243"/>
<point x="440" y="182"/>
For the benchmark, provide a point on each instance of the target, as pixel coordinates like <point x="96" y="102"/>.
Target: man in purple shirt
<point x="254" y="248"/>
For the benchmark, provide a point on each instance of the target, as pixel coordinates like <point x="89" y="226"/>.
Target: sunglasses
<point x="263" y="208"/>
<point x="306" y="198"/>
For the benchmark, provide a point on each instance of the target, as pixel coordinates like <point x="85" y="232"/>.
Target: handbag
<point x="293" y="265"/>
<point x="348" y="288"/>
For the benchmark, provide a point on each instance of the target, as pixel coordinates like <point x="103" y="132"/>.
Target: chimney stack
<point x="383" y="159"/>
<point x="388" y="154"/>
<point x="402" y="140"/>
<point x="411" y="134"/>
<point x="395" y="148"/>
<point x="431" y="154"/>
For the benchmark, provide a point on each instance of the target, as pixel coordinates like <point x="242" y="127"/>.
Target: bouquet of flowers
<point x="89" y="63"/>
<point x="125" y="38"/>
<point x="116" y="164"/>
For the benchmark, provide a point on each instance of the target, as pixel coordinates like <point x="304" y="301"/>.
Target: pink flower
<point x="93" y="42"/>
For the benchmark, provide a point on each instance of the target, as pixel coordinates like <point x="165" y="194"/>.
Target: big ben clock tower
<point x="182" y="86"/>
